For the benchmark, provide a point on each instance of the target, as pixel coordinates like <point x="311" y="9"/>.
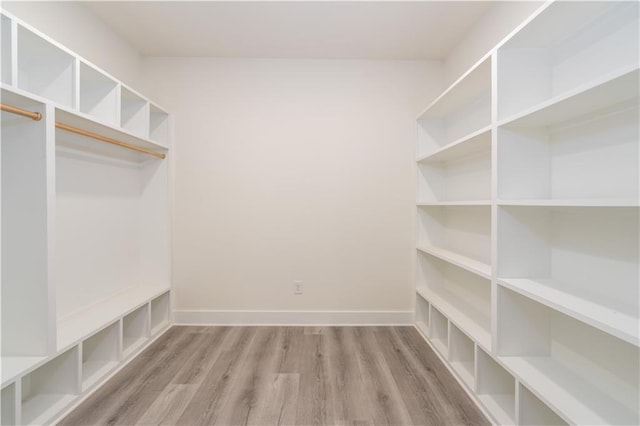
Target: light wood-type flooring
<point x="282" y="375"/>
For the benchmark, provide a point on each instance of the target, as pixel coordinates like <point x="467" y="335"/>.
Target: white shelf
<point x="43" y="408"/>
<point x="454" y="203"/>
<point x="160" y="313"/>
<point x="496" y="389"/>
<point x="501" y="407"/>
<point x="613" y="89"/>
<point x="548" y="292"/>
<point x="587" y="375"/>
<point x="464" y="262"/>
<point x="458" y="114"/>
<point x="422" y="315"/>
<point x="476" y="80"/>
<point x="534" y="412"/>
<point x="567" y="45"/>
<point x="15" y="366"/>
<point x="564" y="255"/>
<point x="464" y="312"/>
<point x="439" y="331"/>
<point x="44" y="69"/>
<point x="462" y="355"/>
<point x="98" y="95"/>
<point x="6" y="37"/>
<point x="50" y="388"/>
<point x="78" y="326"/>
<point x="134" y="113"/>
<point x="580" y="401"/>
<point x="465" y="178"/>
<point x="571" y="202"/>
<point x="158" y="125"/>
<point x="94" y="371"/>
<point x="590" y="160"/>
<point x="135" y="330"/>
<point x="100" y="355"/>
<point x="473" y="143"/>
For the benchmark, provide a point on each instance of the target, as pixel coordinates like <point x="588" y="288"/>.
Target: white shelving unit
<point x="529" y="220"/>
<point x="100" y="355"/>
<point x="135" y="330"/>
<point x="85" y="241"/>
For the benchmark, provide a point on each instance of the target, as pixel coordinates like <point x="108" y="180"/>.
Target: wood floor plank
<point x="203" y="358"/>
<point x="386" y="401"/>
<point x="169" y="405"/>
<point x="348" y="393"/>
<point x="204" y="408"/>
<point x="314" y="390"/>
<point x="278" y="401"/>
<point x="291" y="350"/>
<point x="282" y="376"/>
<point x="249" y="383"/>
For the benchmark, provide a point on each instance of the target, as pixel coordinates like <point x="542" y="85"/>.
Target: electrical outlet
<point x="297" y="287"/>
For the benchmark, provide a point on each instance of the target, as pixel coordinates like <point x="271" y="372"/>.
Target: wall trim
<point x="193" y="317"/>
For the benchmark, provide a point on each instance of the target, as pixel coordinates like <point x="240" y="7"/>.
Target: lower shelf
<point x="462" y="312"/>
<point x="42" y="408"/>
<point x="465" y="371"/>
<point x="75" y="327"/>
<point x="580" y="401"/>
<point x="501" y="406"/>
<point x="92" y="372"/>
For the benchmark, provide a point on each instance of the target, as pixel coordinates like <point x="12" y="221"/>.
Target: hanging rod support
<point x="108" y="140"/>
<point x="23" y="112"/>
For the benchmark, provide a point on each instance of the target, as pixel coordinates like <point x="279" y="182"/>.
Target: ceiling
<point x="298" y="29"/>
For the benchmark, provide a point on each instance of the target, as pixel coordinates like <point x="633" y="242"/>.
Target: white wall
<point x="72" y="25"/>
<point x="293" y="170"/>
<point x="500" y="20"/>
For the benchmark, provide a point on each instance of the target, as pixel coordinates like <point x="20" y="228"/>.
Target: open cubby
<point x="51" y="388"/>
<point x="98" y="95"/>
<point x="422" y="314"/>
<point x="496" y="388"/>
<point x="588" y="375"/>
<point x="135" y="329"/>
<point x="457" y="179"/>
<point x="580" y="260"/>
<point x="100" y="355"/>
<point x="462" y="355"/>
<point x="439" y="329"/>
<point x="6" y="50"/>
<point x="158" y="125"/>
<point x="461" y="111"/>
<point x="8" y="406"/>
<point x="464" y="297"/>
<point x="44" y="69"/>
<point x="592" y="157"/>
<point x="25" y="233"/>
<point x="567" y="47"/>
<point x="463" y="230"/>
<point x="533" y="412"/>
<point x="134" y="113"/>
<point x="159" y="312"/>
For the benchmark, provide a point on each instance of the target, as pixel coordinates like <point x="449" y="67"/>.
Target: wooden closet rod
<point x="37" y="116"/>
<point x="107" y="140"/>
<point x="23" y="112"/>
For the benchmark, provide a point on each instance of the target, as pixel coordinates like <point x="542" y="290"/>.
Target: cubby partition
<point x="85" y="225"/>
<point x="528" y="219"/>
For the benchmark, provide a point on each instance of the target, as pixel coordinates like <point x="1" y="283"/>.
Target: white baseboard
<point x="293" y="317"/>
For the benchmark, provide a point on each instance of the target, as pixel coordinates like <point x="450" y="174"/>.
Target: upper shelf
<point x="462" y="91"/>
<point x="42" y="67"/>
<point x="608" y="91"/>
